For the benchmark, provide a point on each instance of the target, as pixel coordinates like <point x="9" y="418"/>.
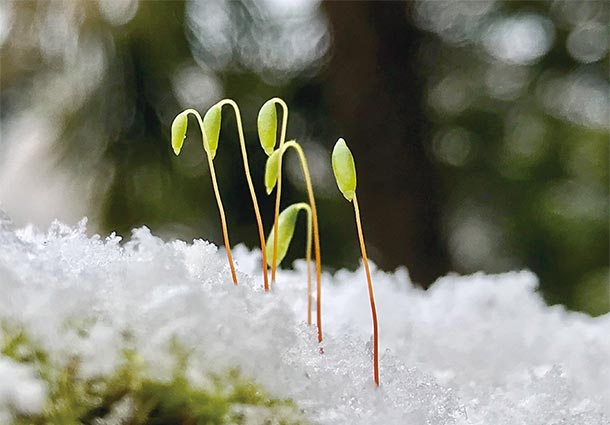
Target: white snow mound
<point x="471" y="350"/>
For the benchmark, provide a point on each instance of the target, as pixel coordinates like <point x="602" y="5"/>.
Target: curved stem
<point x="244" y="154"/>
<point x="316" y="234"/>
<point x="223" y="221"/>
<point x="280" y="102"/>
<point x="278" y="193"/>
<point x="371" y="295"/>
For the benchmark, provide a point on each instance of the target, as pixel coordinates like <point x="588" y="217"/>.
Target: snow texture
<point x="471" y="350"/>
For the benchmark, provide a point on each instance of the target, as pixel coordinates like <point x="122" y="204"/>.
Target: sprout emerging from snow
<point x="179" y="127"/>
<point x="286" y="224"/>
<point x="210" y="129"/>
<point x="214" y="128"/>
<point x="272" y="178"/>
<point x="267" y="133"/>
<point x="345" y="175"/>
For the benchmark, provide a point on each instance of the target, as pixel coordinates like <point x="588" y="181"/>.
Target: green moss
<point x="131" y="396"/>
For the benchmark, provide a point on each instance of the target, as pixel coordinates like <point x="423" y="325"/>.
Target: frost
<point x="471" y="350"/>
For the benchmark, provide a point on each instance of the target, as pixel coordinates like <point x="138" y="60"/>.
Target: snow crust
<point x="471" y="350"/>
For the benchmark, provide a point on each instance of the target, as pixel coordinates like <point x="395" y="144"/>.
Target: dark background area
<point x="479" y="128"/>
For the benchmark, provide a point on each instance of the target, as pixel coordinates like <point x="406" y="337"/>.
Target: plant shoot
<point x="344" y="170"/>
<point x="272" y="178"/>
<point x="179" y="127"/>
<point x="267" y="133"/>
<point x="212" y="122"/>
<point x="286" y="224"/>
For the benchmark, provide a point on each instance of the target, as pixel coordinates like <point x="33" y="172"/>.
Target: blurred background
<point x="480" y="129"/>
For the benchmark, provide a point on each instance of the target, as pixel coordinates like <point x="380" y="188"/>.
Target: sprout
<point x="286" y="224"/>
<point x="267" y="129"/>
<point x="345" y="175"/>
<point x="314" y="217"/>
<point x="178" y="132"/>
<point x="211" y="122"/>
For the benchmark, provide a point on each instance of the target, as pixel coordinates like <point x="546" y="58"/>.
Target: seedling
<point x="244" y="155"/>
<point x="179" y="127"/>
<point x="267" y="133"/>
<point x="211" y="131"/>
<point x="345" y="175"/>
<point x="286" y="224"/>
<point x="272" y="173"/>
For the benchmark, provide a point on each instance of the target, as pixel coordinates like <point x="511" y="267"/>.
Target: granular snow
<point x="471" y="350"/>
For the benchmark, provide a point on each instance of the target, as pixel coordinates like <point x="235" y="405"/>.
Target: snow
<point x="471" y="350"/>
<point x="19" y="388"/>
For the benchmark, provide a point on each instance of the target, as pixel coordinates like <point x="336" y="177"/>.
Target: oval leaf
<point x="344" y="169"/>
<point x="285" y="223"/>
<point x="267" y="126"/>
<point x="211" y="129"/>
<point x="179" y="131"/>
<point x="271" y="171"/>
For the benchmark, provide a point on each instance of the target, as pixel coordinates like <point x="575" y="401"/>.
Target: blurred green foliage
<point x="522" y="142"/>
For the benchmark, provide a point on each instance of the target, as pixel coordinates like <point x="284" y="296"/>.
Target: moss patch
<point x="132" y="396"/>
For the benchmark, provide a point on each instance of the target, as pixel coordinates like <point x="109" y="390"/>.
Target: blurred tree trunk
<point x="377" y="100"/>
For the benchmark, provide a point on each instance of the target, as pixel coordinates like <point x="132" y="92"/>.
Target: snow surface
<point x="471" y="350"/>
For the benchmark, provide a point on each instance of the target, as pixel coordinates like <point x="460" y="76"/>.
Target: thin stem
<point x="278" y="193"/>
<point x="316" y="234"/>
<point x="308" y="262"/>
<point x="221" y="211"/>
<point x="244" y="154"/>
<point x="223" y="220"/>
<point x="305" y="206"/>
<point x="371" y="295"/>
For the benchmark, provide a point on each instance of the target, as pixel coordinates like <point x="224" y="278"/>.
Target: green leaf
<point x="344" y="169"/>
<point x="179" y="126"/>
<point x="271" y="171"/>
<point x="211" y="129"/>
<point x="285" y="223"/>
<point x="267" y="126"/>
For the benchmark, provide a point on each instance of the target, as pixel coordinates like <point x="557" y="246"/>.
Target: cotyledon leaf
<point x="211" y="128"/>
<point x="267" y="126"/>
<point x="271" y="171"/>
<point x="179" y="126"/>
<point x="285" y="223"/>
<point x="344" y="169"/>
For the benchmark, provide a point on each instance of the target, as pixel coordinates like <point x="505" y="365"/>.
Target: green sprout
<point x="179" y="127"/>
<point x="286" y="224"/>
<point x="272" y="178"/>
<point x="244" y="154"/>
<point x="211" y="133"/>
<point x="267" y="133"/>
<point x="345" y="175"/>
